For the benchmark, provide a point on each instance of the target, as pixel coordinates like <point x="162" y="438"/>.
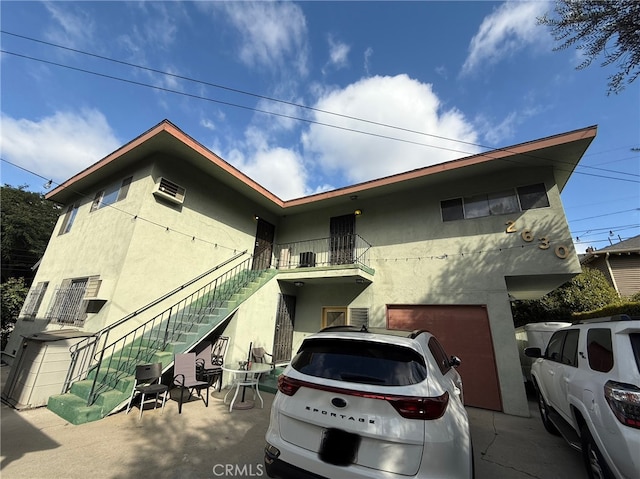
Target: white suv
<point x="364" y="403"/>
<point x="588" y="385"/>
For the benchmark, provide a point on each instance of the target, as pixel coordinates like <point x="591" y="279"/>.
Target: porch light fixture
<point x="357" y="212"/>
<point x="360" y="280"/>
<point x="353" y="197"/>
<point x="298" y="284"/>
<point x="256" y="217"/>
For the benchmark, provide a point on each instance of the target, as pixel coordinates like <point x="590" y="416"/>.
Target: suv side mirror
<point x="533" y="352"/>
<point x="454" y="361"/>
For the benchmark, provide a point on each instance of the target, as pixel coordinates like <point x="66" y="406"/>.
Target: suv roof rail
<point x="615" y="317"/>
<point x="364" y="329"/>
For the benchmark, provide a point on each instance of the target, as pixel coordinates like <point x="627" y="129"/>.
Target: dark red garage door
<point x="464" y="331"/>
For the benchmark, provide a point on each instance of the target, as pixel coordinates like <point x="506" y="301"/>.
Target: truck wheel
<point x="594" y="462"/>
<point x="544" y="414"/>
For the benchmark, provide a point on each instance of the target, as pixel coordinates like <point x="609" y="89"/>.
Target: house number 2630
<point x="543" y="243"/>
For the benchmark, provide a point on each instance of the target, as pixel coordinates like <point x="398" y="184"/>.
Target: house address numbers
<point x="528" y="236"/>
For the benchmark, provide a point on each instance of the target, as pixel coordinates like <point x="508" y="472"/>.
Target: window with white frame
<point x="34" y="300"/>
<point x="496" y="203"/>
<point x="113" y="193"/>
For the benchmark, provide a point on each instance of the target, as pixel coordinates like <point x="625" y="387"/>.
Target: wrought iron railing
<point x="110" y="361"/>
<point x="332" y="251"/>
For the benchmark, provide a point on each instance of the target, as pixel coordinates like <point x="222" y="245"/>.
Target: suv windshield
<point x="363" y="362"/>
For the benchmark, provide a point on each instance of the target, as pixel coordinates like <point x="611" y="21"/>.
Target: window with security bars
<point x="69" y="304"/>
<point x="34" y="300"/>
<point x="359" y="317"/>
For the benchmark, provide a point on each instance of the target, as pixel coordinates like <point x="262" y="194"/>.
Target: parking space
<point x="211" y="442"/>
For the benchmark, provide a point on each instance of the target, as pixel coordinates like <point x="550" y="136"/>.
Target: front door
<point x="283" y="338"/>
<point x="264" y="245"/>
<point x="342" y="231"/>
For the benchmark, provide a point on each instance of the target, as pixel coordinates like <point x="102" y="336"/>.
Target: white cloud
<point x="278" y="169"/>
<point x="367" y="60"/>
<point x="399" y="101"/>
<point x="512" y="27"/>
<point x="73" y="28"/>
<point x="338" y="53"/>
<point x="58" y="146"/>
<point x="274" y="35"/>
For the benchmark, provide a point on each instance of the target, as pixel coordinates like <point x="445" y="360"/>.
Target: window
<point x="599" y="349"/>
<point x="570" y="348"/>
<point x="34" y="300"/>
<point x="115" y="192"/>
<point x="476" y="206"/>
<point x="495" y="203"/>
<point x="439" y="355"/>
<point x="69" y="303"/>
<point x="69" y="218"/>
<point x="452" y="209"/>
<point x="503" y="202"/>
<point x="554" y="348"/>
<point x="533" y="196"/>
<point x="360" y="362"/>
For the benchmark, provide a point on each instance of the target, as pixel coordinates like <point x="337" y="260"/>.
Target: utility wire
<point x="263" y="97"/>
<point x="306" y="120"/>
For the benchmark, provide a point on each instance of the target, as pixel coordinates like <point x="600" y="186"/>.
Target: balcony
<point x="345" y="255"/>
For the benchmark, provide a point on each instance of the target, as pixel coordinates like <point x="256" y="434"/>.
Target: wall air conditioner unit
<point x="169" y="191"/>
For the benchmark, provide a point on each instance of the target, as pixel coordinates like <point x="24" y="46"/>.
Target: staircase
<point x="105" y="385"/>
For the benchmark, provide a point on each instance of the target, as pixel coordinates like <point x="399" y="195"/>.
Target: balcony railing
<point x="333" y="251"/>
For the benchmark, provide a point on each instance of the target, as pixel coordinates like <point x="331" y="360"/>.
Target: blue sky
<point x="433" y="81"/>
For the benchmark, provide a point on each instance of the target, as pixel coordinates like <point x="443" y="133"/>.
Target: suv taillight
<point x="421" y="408"/>
<point x="624" y="401"/>
<point x="287" y="385"/>
<point x="410" y="407"/>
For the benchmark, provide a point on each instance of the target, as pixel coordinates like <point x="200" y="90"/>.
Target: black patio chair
<point x="209" y="361"/>
<point x="148" y="383"/>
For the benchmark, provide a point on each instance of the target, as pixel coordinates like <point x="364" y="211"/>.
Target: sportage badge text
<point x="341" y="416"/>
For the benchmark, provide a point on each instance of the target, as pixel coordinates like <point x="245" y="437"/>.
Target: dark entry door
<point x="264" y="245"/>
<point x="283" y="338"/>
<point x="342" y="240"/>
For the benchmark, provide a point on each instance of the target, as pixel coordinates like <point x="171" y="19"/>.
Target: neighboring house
<point x="620" y="264"/>
<point x="443" y="248"/>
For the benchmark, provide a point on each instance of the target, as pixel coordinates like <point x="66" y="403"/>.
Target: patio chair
<point x="260" y="356"/>
<point x="184" y="368"/>
<point x="209" y="361"/>
<point x="147" y="383"/>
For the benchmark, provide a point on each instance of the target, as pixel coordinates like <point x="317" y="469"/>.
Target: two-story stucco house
<point x="164" y="243"/>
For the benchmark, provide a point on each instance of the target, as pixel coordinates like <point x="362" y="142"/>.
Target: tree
<point x="12" y="295"/>
<point x="587" y="291"/>
<point x="27" y="220"/>
<point x="607" y="27"/>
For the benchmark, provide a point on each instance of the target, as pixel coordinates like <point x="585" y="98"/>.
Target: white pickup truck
<point x="588" y="386"/>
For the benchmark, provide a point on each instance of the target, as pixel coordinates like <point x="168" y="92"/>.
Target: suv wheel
<point x="544" y="414"/>
<point x="596" y="466"/>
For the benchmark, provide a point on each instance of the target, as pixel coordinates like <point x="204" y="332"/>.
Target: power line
<point x="244" y="92"/>
<point x="306" y="120"/>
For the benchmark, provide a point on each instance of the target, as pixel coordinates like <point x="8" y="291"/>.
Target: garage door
<point x="464" y="332"/>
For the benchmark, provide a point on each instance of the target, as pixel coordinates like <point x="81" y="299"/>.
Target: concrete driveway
<point x="211" y="442"/>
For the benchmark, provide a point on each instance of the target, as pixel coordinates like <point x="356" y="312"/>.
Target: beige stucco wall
<point x="419" y="259"/>
<point x="129" y="247"/>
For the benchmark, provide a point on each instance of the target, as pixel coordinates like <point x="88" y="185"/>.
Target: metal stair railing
<point x="171" y="325"/>
<point x="89" y="355"/>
